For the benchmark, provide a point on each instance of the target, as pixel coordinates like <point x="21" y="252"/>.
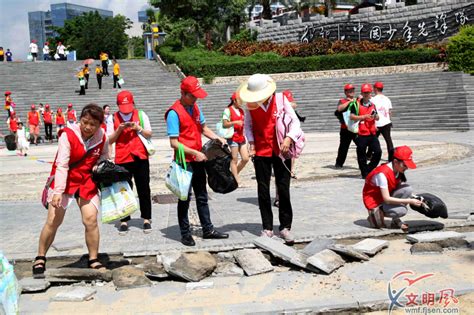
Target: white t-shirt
<point x="380" y="180"/>
<point x="33" y="48"/>
<point x="109" y="123"/>
<point x="60" y="49"/>
<point x="226" y="114"/>
<point x="46" y="49"/>
<point x="146" y="120"/>
<point x="383" y="106"/>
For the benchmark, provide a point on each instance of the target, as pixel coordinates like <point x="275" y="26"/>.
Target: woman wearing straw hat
<point x="259" y="94"/>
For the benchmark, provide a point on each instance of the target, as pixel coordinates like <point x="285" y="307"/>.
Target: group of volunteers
<point x="59" y="54"/>
<point x="266" y="128"/>
<point x="101" y="70"/>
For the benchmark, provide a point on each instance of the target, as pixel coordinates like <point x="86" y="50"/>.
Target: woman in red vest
<point x="71" y="115"/>
<point x="13" y="122"/>
<point x="185" y="124"/>
<point x="34" y="122"/>
<point x="130" y="153"/>
<point x="80" y="148"/>
<point x="259" y="94"/>
<point x="385" y="192"/>
<point x="234" y="117"/>
<point x="60" y="121"/>
<point x="48" y="122"/>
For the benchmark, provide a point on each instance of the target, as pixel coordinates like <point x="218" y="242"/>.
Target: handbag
<point x="150" y="149"/>
<point x="352" y="125"/>
<point x="117" y="201"/>
<point x="226" y="133"/>
<point x="178" y="179"/>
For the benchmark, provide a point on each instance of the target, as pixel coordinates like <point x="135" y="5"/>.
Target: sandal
<point x="39" y="267"/>
<point x="97" y="263"/>
<point x="400" y="225"/>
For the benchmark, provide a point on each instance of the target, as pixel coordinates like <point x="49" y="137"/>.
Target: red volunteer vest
<point x="371" y="194"/>
<point x="238" y="130"/>
<point x="263" y="125"/>
<point x="33" y="118"/>
<point x="128" y="144"/>
<point x="80" y="177"/>
<point x="190" y="128"/>
<point x="13" y="124"/>
<point x="48" y="117"/>
<point x="60" y="119"/>
<point x="342" y="101"/>
<point x="71" y="115"/>
<point x="367" y="127"/>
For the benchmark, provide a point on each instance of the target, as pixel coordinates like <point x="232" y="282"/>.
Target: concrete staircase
<point x="421" y="101"/>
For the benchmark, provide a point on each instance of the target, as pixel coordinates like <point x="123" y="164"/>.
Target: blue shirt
<point x="172" y="120"/>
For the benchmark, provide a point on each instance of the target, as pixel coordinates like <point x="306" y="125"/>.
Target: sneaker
<point x="147" y="228"/>
<point x="188" y="240"/>
<point x="215" y="235"/>
<point x="123" y="229"/>
<point x="338" y="167"/>
<point x="267" y="233"/>
<point x="287" y="236"/>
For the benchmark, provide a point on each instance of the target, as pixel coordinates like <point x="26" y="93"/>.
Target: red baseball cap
<point x="289" y="95"/>
<point x="378" y="85"/>
<point x="404" y="153"/>
<point x="69" y="105"/>
<point x="8" y="92"/>
<point x="33" y="106"/>
<point x="191" y="85"/>
<point x="60" y="109"/>
<point x="46" y="106"/>
<point x="366" y="88"/>
<point x="125" y="102"/>
<point x="234" y="96"/>
<point x="348" y="87"/>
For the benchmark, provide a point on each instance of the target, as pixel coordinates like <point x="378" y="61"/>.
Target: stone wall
<point x="397" y="13"/>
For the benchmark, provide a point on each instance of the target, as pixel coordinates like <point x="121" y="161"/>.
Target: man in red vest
<point x="366" y="114"/>
<point x="385" y="192"/>
<point x="185" y="124"/>
<point x="48" y="122"/>
<point x="345" y="136"/>
<point x="34" y="122"/>
<point x="131" y="153"/>
<point x="260" y="122"/>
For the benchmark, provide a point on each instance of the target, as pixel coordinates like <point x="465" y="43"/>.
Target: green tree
<point x="90" y="33"/>
<point x="137" y="46"/>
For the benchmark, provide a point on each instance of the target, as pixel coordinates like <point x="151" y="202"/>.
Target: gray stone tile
<point x="78" y="294"/>
<point x="326" y="261"/>
<point x="252" y="261"/>
<point x="434" y="236"/>
<point x="370" y="246"/>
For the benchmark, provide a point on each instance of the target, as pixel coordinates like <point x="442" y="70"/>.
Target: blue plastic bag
<point x="9" y="288"/>
<point x="178" y="178"/>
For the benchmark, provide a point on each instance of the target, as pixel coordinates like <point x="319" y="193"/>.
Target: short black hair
<point x="105" y="106"/>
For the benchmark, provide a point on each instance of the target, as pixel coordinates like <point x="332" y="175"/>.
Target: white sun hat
<point x="258" y="88"/>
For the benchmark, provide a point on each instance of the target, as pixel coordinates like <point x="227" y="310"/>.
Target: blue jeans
<point x="198" y="184"/>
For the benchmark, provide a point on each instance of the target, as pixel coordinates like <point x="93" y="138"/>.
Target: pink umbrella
<point x="88" y="61"/>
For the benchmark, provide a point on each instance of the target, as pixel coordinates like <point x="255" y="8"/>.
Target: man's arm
<point x="174" y="143"/>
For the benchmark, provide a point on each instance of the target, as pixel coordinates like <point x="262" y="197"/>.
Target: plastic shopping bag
<point x="178" y="179"/>
<point x="9" y="288"/>
<point x="117" y="201"/>
<point x="226" y="133"/>
<point x="29" y="57"/>
<point x="120" y="81"/>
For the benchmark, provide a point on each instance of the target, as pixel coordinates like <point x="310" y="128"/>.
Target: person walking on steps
<point x="34" y="50"/>
<point x="116" y="74"/>
<point x="8" y="103"/>
<point x="60" y="120"/>
<point x="71" y="115"/>
<point x="104" y="58"/>
<point x="33" y="120"/>
<point x="345" y="136"/>
<point x="86" y="71"/>
<point x="82" y="82"/>
<point x="383" y="105"/>
<point x="99" y="73"/>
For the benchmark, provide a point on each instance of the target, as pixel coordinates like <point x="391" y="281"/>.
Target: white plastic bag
<point x="117" y="201"/>
<point x="29" y="57"/>
<point x="226" y="133"/>
<point x="352" y="125"/>
<point x="121" y="81"/>
<point x="178" y="179"/>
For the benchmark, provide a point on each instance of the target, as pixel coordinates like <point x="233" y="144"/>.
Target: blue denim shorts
<point x="234" y="144"/>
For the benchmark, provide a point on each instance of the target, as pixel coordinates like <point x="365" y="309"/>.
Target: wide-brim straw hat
<point x="258" y="88"/>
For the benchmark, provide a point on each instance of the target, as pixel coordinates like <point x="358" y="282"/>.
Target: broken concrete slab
<point x="67" y="245"/>
<point x="199" y="285"/>
<point x="426" y="248"/>
<point x="30" y="285"/>
<point x="79" y="274"/>
<point x="277" y="248"/>
<point x="192" y="266"/>
<point x="316" y="246"/>
<point x="153" y="270"/>
<point x="453" y="243"/>
<point x="326" y="260"/>
<point x="167" y="258"/>
<point x="424" y="225"/>
<point x="129" y="277"/>
<point x="226" y="256"/>
<point x="227" y="269"/>
<point x="78" y="294"/>
<point x="252" y="261"/>
<point x="348" y="251"/>
<point x="371" y="246"/>
<point x="434" y="236"/>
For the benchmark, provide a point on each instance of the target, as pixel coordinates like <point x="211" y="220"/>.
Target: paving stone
<point x="129" y="277"/>
<point x="199" y="285"/>
<point x="252" y="261"/>
<point x="348" y="251"/>
<point x="78" y="274"/>
<point x="226" y="256"/>
<point x="65" y="246"/>
<point x="29" y="285"/>
<point x="370" y="246"/>
<point x="78" y="294"/>
<point x="434" y="236"/>
<point x="453" y="243"/>
<point x="227" y="269"/>
<point x="426" y="248"/>
<point x="153" y="270"/>
<point x="316" y="246"/>
<point x="277" y="248"/>
<point x="192" y="266"/>
<point x="326" y="260"/>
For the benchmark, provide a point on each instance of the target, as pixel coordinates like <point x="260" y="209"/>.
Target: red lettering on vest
<point x="371" y="194"/>
<point x="263" y="127"/>
<point x="128" y="145"/>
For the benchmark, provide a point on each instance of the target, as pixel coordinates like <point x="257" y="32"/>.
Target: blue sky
<point x="14" y="32"/>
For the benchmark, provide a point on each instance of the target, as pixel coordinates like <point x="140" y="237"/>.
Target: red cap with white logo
<point x="405" y="154"/>
<point x="191" y="85"/>
<point x="125" y="102"/>
<point x="289" y="95"/>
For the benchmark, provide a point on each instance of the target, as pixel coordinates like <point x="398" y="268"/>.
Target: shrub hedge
<point x="209" y="64"/>
<point x="460" y="50"/>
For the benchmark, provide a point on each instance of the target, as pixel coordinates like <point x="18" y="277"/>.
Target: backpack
<point x="352" y="125"/>
<point x="284" y="123"/>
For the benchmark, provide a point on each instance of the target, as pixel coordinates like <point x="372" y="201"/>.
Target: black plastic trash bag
<point x="432" y="206"/>
<point x="219" y="176"/>
<point x="108" y="172"/>
<point x="10" y="142"/>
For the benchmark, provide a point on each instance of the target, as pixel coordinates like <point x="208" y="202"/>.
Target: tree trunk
<point x="267" y="11"/>
<point x="328" y="5"/>
<point x="208" y="40"/>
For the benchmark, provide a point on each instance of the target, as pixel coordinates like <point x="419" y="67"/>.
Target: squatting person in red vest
<point x="259" y="94"/>
<point x="185" y="124"/>
<point x="386" y="193"/>
<point x="233" y="116"/>
<point x="345" y="136"/>
<point x="80" y="148"/>
<point x="366" y="138"/>
<point x="48" y="122"/>
<point x="70" y="115"/>
<point x="34" y="122"/>
<point x="131" y="153"/>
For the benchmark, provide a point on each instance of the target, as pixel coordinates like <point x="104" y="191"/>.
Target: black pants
<point x="198" y="184"/>
<point x="99" y="81"/>
<point x="263" y="172"/>
<point x="105" y="67"/>
<point x="116" y="81"/>
<point x="365" y="143"/>
<point x="87" y="80"/>
<point x="48" y="128"/>
<point x="345" y="138"/>
<point x="140" y="170"/>
<point x="386" y="133"/>
<point x="82" y="90"/>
